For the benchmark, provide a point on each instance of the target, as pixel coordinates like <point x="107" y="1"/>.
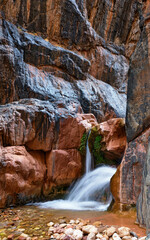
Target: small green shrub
<point x="97" y="144"/>
<point x="82" y="147"/>
<point x="98" y="155"/>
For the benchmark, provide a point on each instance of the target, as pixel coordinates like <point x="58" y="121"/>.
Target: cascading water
<point x="88" y="162"/>
<point x="89" y="191"/>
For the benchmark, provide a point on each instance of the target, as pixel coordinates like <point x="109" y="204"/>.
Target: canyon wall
<point x="130" y="173"/>
<point x="65" y="65"/>
<point x="54" y="88"/>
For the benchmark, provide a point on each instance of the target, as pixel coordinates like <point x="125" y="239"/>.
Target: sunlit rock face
<point x="114" y="138"/>
<point x="62" y="61"/>
<point x="107" y="142"/>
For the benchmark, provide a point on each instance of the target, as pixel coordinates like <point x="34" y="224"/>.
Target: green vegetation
<point x="95" y="146"/>
<point x="98" y="155"/>
<point x="82" y="147"/>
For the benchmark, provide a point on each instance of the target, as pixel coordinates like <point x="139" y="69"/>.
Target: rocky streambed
<point x="32" y="223"/>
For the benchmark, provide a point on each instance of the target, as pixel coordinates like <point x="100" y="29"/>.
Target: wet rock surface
<point x="66" y="24"/>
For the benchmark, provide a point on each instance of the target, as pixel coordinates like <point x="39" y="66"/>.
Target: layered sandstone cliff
<point x="48" y="53"/>
<point x="62" y="61"/>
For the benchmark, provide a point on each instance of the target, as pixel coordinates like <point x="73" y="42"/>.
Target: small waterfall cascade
<point x="88" y="162"/>
<point x="91" y="192"/>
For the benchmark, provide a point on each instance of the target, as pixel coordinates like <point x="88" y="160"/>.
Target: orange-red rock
<point x="126" y="183"/>
<point x="71" y="130"/>
<point x="113" y="137"/>
<point x="21" y="175"/>
<point x="63" y="166"/>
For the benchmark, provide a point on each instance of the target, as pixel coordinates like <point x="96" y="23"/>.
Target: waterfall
<point x="92" y="185"/>
<point x="88" y="160"/>
<point x="91" y="192"/>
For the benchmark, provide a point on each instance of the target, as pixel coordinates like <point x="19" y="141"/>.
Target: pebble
<point x="127" y="238"/>
<point x="105" y="236"/>
<point x="50" y="224"/>
<point x="51" y="230"/>
<point x="89" y="229"/>
<point x="110" y="231"/>
<point x="63" y="225"/>
<point x="123" y="231"/>
<point x="77" y="221"/>
<point x="115" y="236"/>
<point x="91" y="236"/>
<point x="99" y="235"/>
<point x="24" y="236"/>
<point x="21" y="229"/>
<point x="69" y="231"/>
<point x="133" y="234"/>
<point x="77" y="234"/>
<point x="62" y="236"/>
<point x="72" y="221"/>
<point x="142" y="238"/>
<point x="56" y="235"/>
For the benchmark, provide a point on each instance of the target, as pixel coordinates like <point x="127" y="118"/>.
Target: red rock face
<point x="22" y="175"/>
<point x="114" y="138"/>
<point x="126" y="183"/>
<point x="72" y="129"/>
<point x="27" y="175"/>
<point x="63" y="167"/>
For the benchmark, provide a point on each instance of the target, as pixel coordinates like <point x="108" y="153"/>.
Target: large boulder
<point x="143" y="201"/>
<point x="63" y="167"/>
<point x="113" y="138"/>
<point x="73" y="129"/>
<point x="143" y="204"/>
<point x="107" y="141"/>
<point x="22" y="175"/>
<point x="126" y="183"/>
<point x="29" y="122"/>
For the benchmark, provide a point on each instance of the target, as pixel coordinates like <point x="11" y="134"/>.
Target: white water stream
<point x="88" y="192"/>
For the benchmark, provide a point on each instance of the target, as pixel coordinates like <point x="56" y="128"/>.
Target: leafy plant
<point x="97" y="144"/>
<point x="82" y="147"/>
<point x="98" y="155"/>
